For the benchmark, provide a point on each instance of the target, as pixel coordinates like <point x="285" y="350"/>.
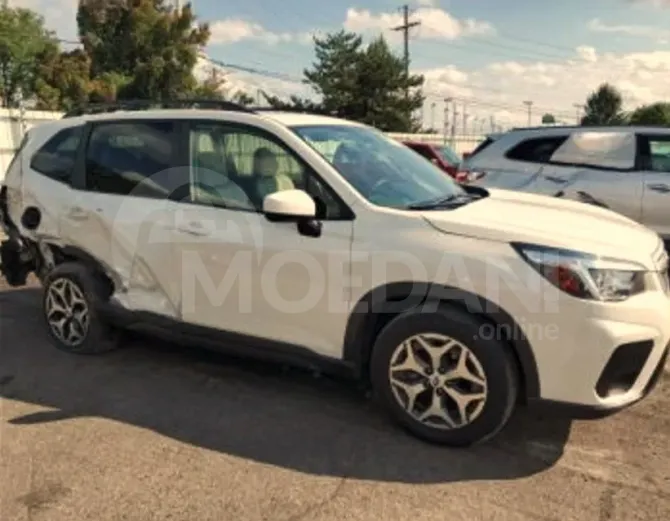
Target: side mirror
<point x="289" y="205"/>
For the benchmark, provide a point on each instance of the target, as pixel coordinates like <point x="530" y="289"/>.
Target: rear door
<point x="123" y="214"/>
<point x="47" y="185"/>
<point x="654" y="162"/>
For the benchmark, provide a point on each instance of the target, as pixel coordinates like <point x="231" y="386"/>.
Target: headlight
<point x="583" y="275"/>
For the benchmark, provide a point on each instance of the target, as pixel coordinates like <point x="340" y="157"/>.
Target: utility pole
<point x="453" y="125"/>
<point x="529" y="104"/>
<point x="578" y="107"/>
<point x="405" y="27"/>
<point x="466" y="117"/>
<point x="446" y="120"/>
<point x="432" y="117"/>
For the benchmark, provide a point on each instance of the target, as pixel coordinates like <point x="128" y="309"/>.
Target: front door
<point x="238" y="271"/>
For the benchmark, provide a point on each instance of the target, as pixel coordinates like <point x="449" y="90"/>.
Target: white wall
<point x="11" y="132"/>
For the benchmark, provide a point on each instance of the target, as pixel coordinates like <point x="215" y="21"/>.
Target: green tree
<point x="334" y="75"/>
<point x="654" y="114"/>
<point x="548" y="119"/>
<point x="295" y="103"/>
<point x="604" y="107"/>
<point x="363" y="84"/>
<point x="380" y="98"/>
<point x="146" y="41"/>
<point x="62" y="80"/>
<point x="23" y="40"/>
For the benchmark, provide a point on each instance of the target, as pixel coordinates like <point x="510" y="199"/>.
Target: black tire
<point x="100" y="337"/>
<point x="494" y="356"/>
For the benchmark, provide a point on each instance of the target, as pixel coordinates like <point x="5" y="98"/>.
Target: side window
<point x="536" y="150"/>
<point x="659" y="155"/>
<point x="132" y="158"/>
<point x="237" y="167"/>
<point x="57" y="156"/>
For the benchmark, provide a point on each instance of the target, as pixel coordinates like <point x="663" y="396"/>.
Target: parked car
<point x="441" y="156"/>
<point x="454" y="303"/>
<point x="625" y="169"/>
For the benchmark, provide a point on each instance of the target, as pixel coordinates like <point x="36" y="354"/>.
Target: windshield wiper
<point x="444" y="202"/>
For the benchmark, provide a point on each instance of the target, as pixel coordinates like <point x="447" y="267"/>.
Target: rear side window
<point x="536" y="150"/>
<point x="57" y="156"/>
<point x="132" y="158"/>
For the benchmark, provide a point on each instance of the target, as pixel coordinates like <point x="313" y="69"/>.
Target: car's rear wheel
<point x="444" y="377"/>
<point x="70" y="306"/>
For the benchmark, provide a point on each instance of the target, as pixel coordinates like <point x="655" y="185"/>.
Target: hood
<point x="507" y="216"/>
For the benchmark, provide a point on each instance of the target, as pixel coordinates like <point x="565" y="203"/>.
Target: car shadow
<point x="270" y="414"/>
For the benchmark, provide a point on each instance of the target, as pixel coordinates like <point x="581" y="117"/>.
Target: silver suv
<point x="625" y="169"/>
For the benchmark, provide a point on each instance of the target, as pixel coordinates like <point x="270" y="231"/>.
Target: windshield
<point x="449" y="155"/>
<point x="382" y="170"/>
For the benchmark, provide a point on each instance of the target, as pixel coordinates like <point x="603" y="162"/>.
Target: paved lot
<point x="156" y="432"/>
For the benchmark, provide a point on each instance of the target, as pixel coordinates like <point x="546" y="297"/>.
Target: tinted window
<point x="132" y="158"/>
<point x="449" y="156"/>
<point x="57" y="157"/>
<point x="381" y="169"/>
<point x="237" y="167"/>
<point x="537" y="150"/>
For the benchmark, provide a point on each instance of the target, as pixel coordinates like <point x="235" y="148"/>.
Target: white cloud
<point x="554" y="87"/>
<point x="642" y="31"/>
<point x="587" y="53"/>
<point x="436" y="23"/>
<point x="233" y="30"/>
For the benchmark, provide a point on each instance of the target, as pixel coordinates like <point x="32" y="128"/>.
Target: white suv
<point x="322" y="242"/>
<point x="624" y="169"/>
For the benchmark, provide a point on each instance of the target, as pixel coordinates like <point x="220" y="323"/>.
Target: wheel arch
<point x="377" y="307"/>
<point x="98" y="268"/>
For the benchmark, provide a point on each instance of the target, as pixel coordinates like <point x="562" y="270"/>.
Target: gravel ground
<point x="158" y="432"/>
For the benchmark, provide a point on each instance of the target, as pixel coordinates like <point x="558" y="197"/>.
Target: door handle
<point x="659" y="187"/>
<point x="193" y="229"/>
<point x="557" y="180"/>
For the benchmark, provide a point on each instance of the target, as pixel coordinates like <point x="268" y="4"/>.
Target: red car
<point x="440" y="155"/>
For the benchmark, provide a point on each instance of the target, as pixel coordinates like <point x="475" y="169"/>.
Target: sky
<point x="489" y="56"/>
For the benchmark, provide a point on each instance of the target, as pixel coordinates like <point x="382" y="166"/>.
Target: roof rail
<point x="133" y="105"/>
<point x="296" y="110"/>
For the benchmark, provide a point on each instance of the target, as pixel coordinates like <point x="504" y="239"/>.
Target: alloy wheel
<point x="438" y="381"/>
<point x="67" y="311"/>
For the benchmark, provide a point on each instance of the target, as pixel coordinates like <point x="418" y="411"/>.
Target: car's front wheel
<point x="444" y="376"/>
<point x="70" y="298"/>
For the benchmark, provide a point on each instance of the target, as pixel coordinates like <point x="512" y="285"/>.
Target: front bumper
<point x="582" y="411"/>
<point x="602" y="357"/>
